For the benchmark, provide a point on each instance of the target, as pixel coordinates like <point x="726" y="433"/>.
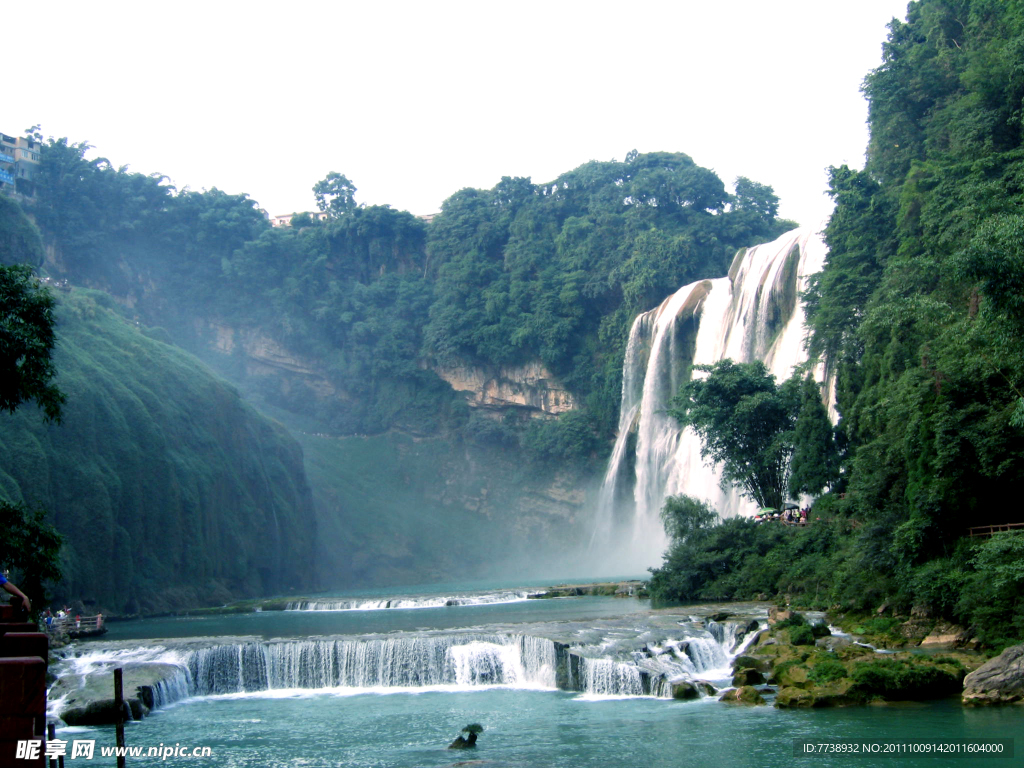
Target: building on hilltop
<point x="286" y="219"/>
<point x="19" y="164"/>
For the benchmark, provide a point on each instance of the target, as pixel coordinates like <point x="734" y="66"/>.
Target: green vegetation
<point x="30" y="548"/>
<point x="26" y="343"/>
<point x="519" y="273"/>
<point x="918" y="313"/>
<point x="757" y="431"/>
<point x="167" y="489"/>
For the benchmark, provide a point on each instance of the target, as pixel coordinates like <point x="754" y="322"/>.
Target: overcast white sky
<point x="416" y="100"/>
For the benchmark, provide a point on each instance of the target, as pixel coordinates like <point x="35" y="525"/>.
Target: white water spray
<point x="752" y="314"/>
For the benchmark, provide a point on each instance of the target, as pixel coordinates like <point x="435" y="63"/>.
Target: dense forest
<point x="168" y="489"/>
<point x="519" y="273"/>
<point x="919" y="313"/>
<point x="366" y="304"/>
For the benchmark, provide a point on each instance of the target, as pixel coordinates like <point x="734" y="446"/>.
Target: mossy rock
<point x="684" y="690"/>
<point x="792" y="676"/>
<point x="747" y="695"/>
<point x="747" y="676"/>
<point x="705" y="687"/>
<point x="794" y="698"/>
<point x="750" y="662"/>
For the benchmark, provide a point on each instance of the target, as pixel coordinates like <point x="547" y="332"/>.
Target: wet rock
<point x="685" y="690"/>
<point x="705" y="687"/>
<point x="746" y="694"/>
<point x="998" y="681"/>
<point x="832" y="642"/>
<point x="90" y="700"/>
<point x="747" y="676"/>
<point x="102" y="712"/>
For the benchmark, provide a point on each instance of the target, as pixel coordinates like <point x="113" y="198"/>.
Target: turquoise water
<point x="527" y="727"/>
<point x="539" y="728"/>
<point x="269" y="624"/>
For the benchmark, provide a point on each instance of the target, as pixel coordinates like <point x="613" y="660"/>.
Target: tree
<point x="30" y="547"/>
<point x="684" y="515"/>
<point x="745" y="424"/>
<point x="335" y="195"/>
<point x="26" y="343"/>
<point x="815" y="462"/>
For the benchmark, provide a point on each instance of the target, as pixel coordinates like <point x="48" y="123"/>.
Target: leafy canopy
<point x="745" y="423"/>
<point x="27" y="340"/>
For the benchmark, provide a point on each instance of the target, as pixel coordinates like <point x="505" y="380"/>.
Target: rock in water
<point x="463" y="743"/>
<point x="746" y="694"/>
<point x="747" y="676"/>
<point x="998" y="681"/>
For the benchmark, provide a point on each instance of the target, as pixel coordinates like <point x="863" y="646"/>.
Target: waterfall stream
<point x="754" y="313"/>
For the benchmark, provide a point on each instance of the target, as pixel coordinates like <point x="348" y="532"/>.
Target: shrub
<point x="827" y="671"/>
<point x="801" y="635"/>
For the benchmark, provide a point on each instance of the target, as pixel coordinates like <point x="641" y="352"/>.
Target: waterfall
<point x="638" y="661"/>
<point x="754" y="313"/>
<point x="464" y="660"/>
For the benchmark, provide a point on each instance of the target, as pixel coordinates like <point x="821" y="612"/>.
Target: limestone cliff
<point x="531" y="386"/>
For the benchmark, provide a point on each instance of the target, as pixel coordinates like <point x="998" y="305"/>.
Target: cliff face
<point x="169" y="489"/>
<point x="529" y="386"/>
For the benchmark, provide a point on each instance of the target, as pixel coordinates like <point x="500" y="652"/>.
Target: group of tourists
<point x="788" y="516"/>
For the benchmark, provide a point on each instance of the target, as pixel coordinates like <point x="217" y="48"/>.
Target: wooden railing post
<point x="119" y="704"/>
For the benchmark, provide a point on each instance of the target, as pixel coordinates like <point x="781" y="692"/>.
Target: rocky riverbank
<point x="798" y="664"/>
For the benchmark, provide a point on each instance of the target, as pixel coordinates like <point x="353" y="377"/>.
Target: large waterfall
<point x="754" y="313"/>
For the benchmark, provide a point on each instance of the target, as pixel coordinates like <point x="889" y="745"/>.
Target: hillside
<point x="170" y="491"/>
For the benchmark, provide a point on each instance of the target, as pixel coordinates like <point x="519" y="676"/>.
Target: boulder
<point x="946" y="636"/>
<point x="794" y="698"/>
<point x="831" y="642"/>
<point x="748" y="676"/>
<point x="89" y="700"/>
<point x="101" y="712"/>
<point x="791" y="677"/>
<point x="746" y="694"/>
<point x="776" y="614"/>
<point x="749" y="662"/>
<point x="685" y="690"/>
<point x="998" y="681"/>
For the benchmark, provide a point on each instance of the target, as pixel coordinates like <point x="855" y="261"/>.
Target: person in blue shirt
<point x="8" y="587"/>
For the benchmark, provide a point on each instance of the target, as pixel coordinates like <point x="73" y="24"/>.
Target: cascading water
<point x="409" y="603"/>
<point x="754" y="313"/>
<point x="610" y="660"/>
<point x="402" y="662"/>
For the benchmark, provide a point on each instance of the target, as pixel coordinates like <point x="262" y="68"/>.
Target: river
<point x="392" y="686"/>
